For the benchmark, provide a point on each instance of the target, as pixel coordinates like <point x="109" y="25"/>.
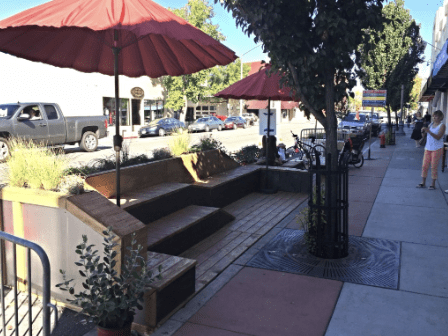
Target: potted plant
<point x="110" y="299"/>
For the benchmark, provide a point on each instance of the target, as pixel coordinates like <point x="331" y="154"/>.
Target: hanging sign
<point x="137" y="93"/>
<point x="263" y="122"/>
<point x="374" y="98"/>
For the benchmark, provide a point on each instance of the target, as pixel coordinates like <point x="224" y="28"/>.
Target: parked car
<point x="221" y="117"/>
<point x="375" y="121"/>
<point x="353" y="124"/>
<point x="250" y="117"/>
<point x="234" y="122"/>
<point x="206" y="124"/>
<point x="44" y="122"/>
<point x="161" y="127"/>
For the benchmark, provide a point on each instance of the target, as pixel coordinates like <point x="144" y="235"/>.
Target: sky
<point x="423" y="11"/>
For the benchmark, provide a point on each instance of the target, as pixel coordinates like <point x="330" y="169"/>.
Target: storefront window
<point x="153" y="109"/>
<point x="109" y="110"/>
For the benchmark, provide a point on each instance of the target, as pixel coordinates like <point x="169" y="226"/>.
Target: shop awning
<point x="263" y="104"/>
<point x="257" y="104"/>
<point x="439" y="76"/>
<point x="289" y="105"/>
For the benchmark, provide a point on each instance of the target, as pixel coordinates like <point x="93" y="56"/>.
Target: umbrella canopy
<point x="258" y="86"/>
<point x="80" y="34"/>
<point x="112" y="37"/>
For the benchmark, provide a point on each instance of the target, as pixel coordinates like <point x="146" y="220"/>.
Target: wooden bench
<point x="176" y="285"/>
<point x="224" y="188"/>
<point x="176" y="233"/>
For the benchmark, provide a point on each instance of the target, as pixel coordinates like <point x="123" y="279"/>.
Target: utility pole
<point x="401" y="126"/>
<point x="241" y="59"/>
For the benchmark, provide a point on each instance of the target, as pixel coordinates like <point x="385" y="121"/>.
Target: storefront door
<point x="136" y="103"/>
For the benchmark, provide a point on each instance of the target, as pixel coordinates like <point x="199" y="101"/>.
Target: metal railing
<point x="46" y="305"/>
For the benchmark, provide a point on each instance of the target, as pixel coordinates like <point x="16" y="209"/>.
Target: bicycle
<point x="353" y="147"/>
<point x="306" y="152"/>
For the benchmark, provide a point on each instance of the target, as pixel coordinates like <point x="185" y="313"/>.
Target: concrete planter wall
<point x="57" y="222"/>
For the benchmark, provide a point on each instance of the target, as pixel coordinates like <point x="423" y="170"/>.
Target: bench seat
<point x="176" y="285"/>
<point x="224" y="188"/>
<point x="177" y="232"/>
<point x="227" y="176"/>
<point x="155" y="202"/>
<point x="135" y="198"/>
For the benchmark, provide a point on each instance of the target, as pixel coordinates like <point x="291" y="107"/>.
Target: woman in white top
<point x="433" y="149"/>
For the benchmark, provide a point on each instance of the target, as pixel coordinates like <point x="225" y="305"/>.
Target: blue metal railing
<point x="45" y="284"/>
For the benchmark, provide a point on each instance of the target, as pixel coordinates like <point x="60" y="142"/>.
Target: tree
<point x="197" y="86"/>
<point x="393" y="62"/>
<point x="415" y="93"/>
<point x="314" y="43"/>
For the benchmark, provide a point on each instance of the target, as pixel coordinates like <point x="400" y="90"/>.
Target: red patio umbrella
<point x="260" y="86"/>
<point x="112" y="37"/>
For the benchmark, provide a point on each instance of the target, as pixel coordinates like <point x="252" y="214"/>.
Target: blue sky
<point x="423" y="11"/>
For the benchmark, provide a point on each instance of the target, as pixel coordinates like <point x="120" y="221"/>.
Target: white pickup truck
<point x="45" y="123"/>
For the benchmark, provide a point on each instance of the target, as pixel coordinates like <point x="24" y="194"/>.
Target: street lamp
<point x="241" y="59"/>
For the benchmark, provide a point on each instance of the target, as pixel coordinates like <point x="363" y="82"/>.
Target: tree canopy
<point x="314" y="43"/>
<point x="393" y="62"/>
<point x="197" y="86"/>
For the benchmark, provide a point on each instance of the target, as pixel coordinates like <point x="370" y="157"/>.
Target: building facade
<point x="81" y="94"/>
<point x="434" y="92"/>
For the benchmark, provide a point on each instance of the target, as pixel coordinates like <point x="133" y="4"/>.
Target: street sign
<point x="263" y="122"/>
<point x="374" y="98"/>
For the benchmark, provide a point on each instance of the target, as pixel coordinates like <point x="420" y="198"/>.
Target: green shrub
<point x="247" y="154"/>
<point x="179" y="143"/>
<point x="34" y="165"/>
<point x="207" y="143"/>
<point x="161" y="153"/>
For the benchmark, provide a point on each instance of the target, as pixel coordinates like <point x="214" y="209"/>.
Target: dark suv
<point x="375" y="121"/>
<point x="353" y="124"/>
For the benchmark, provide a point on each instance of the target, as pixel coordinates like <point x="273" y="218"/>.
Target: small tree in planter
<point x="110" y="300"/>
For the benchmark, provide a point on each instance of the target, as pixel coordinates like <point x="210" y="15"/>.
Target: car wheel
<point x="162" y="132"/>
<point x="89" y="142"/>
<point x="4" y="150"/>
<point x="207" y="129"/>
<point x="219" y="128"/>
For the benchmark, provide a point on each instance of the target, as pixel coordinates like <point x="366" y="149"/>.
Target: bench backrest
<point x="185" y="169"/>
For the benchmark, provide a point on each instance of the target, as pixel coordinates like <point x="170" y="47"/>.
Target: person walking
<point x="417" y="132"/>
<point x="433" y="149"/>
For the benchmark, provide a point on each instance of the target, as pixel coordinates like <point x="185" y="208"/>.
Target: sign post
<point x="373" y="98"/>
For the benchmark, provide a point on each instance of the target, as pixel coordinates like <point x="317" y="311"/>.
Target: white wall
<point x="78" y="93"/>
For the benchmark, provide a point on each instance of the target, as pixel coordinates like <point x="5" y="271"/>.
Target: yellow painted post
<point x="19" y="231"/>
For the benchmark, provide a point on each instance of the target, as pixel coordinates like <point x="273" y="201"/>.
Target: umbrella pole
<point x="267" y="141"/>
<point x="118" y="140"/>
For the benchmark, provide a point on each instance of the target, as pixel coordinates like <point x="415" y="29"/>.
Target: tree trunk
<point x="389" y="120"/>
<point x="331" y="126"/>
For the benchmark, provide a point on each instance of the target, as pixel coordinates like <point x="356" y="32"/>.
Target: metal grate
<point x="370" y="261"/>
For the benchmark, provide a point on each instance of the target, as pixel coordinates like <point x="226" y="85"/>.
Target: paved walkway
<point x="384" y="204"/>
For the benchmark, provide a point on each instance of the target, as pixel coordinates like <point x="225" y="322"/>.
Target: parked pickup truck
<point x="45" y="123"/>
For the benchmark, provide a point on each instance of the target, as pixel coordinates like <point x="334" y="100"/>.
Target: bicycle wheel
<point x="307" y="160"/>
<point x="321" y="150"/>
<point x="358" y="164"/>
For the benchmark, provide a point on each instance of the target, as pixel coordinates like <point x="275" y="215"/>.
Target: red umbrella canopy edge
<point x="79" y="34"/>
<point x="258" y="86"/>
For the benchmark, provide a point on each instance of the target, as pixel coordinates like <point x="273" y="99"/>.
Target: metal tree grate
<point x="373" y="262"/>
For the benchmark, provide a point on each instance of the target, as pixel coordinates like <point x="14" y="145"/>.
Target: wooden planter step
<point x="181" y="230"/>
<point x="172" y="290"/>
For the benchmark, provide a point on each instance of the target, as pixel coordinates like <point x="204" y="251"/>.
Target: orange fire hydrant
<point x="382" y="137"/>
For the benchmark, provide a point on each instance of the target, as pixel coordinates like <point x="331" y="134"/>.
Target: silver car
<point x="206" y="124"/>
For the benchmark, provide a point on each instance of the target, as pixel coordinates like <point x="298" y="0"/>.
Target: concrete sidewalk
<point x="387" y="209"/>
